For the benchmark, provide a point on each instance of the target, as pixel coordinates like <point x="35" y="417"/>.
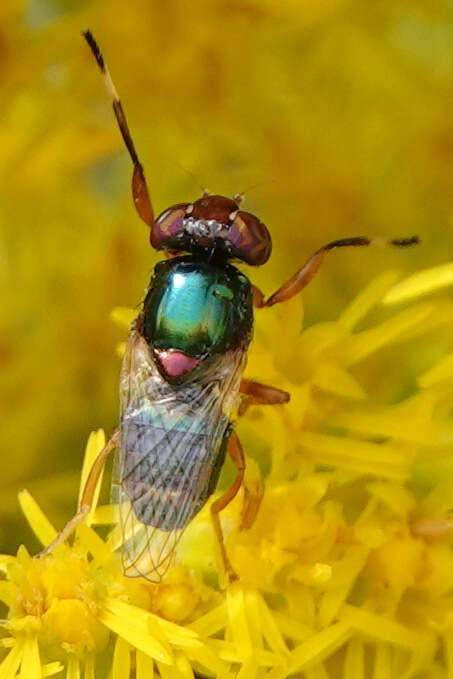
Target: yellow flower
<point x="66" y="604"/>
<point x="348" y="569"/>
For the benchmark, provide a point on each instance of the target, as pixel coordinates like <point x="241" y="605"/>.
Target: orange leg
<point x="251" y="505"/>
<point x="260" y="394"/>
<point x="303" y="276"/>
<point x="237" y="455"/>
<point x="87" y="496"/>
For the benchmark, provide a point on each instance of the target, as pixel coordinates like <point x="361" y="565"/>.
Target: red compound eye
<point x="213" y="222"/>
<point x="249" y="239"/>
<point x="168" y="226"/>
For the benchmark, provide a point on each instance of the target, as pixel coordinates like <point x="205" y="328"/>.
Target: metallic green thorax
<point x="198" y="308"/>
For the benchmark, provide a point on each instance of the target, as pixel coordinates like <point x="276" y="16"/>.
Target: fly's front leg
<point x="86" y="500"/>
<point x="303" y="276"/>
<point x="140" y="193"/>
<point x="260" y="394"/>
<point x="237" y="455"/>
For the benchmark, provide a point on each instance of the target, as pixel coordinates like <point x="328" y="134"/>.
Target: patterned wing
<point x="171" y="438"/>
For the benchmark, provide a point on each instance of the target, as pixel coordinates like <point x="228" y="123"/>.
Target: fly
<point x="181" y="375"/>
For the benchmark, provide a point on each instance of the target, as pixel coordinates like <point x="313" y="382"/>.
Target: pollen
<point x="175" y="600"/>
<point x="58" y="596"/>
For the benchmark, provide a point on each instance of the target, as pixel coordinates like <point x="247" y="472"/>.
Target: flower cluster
<point x="348" y="568"/>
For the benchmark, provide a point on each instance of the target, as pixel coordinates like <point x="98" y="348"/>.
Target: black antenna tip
<point x="405" y="242"/>
<point x="94" y="48"/>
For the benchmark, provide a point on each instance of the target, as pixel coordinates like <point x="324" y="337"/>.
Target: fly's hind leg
<point x="86" y="500"/>
<point x="260" y="394"/>
<point x="237" y="455"/>
<point x="256" y="394"/>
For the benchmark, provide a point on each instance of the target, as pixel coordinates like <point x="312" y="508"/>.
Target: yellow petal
<point x="380" y="627"/>
<point x="38" y="521"/>
<point x="271" y="631"/>
<point x="212" y="622"/>
<point x="51" y="668"/>
<point x="105" y="514"/>
<point x="397" y="498"/>
<point x="403" y="325"/>
<point x="7" y="593"/>
<point x="291" y="628"/>
<point x="10" y="664"/>
<point x="421" y="283"/>
<point x="73" y="671"/>
<point x="388" y="423"/>
<point x="359" y="456"/>
<point x="332" y="378"/>
<point x="314" y="650"/>
<point x="366" y="299"/>
<point x="228" y="651"/>
<point x="30" y="667"/>
<point x="346" y="572"/>
<point x="5" y="560"/>
<point x="8" y="642"/>
<point x="354" y="664"/>
<point x="253" y="615"/>
<point x="144" y="666"/>
<point x="184" y="667"/>
<point x="96" y="442"/>
<point x="249" y="670"/>
<point x="94" y="544"/>
<point x="121" y="667"/>
<point x="441" y="372"/>
<point x="173" y="633"/>
<point x="317" y="672"/>
<point x="89" y="667"/>
<point x="238" y="625"/>
<point x="383" y="662"/>
<point x="169" y="671"/>
<point x="207" y="658"/>
<point x="136" y="636"/>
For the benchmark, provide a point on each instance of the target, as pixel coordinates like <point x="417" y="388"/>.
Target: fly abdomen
<point x="161" y="473"/>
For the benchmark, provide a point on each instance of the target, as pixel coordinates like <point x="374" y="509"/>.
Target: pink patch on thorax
<point x="176" y="363"/>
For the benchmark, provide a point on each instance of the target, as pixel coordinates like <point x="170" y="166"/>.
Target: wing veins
<point x="139" y="537"/>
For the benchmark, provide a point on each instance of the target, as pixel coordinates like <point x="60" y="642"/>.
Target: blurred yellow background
<point x="337" y="112"/>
